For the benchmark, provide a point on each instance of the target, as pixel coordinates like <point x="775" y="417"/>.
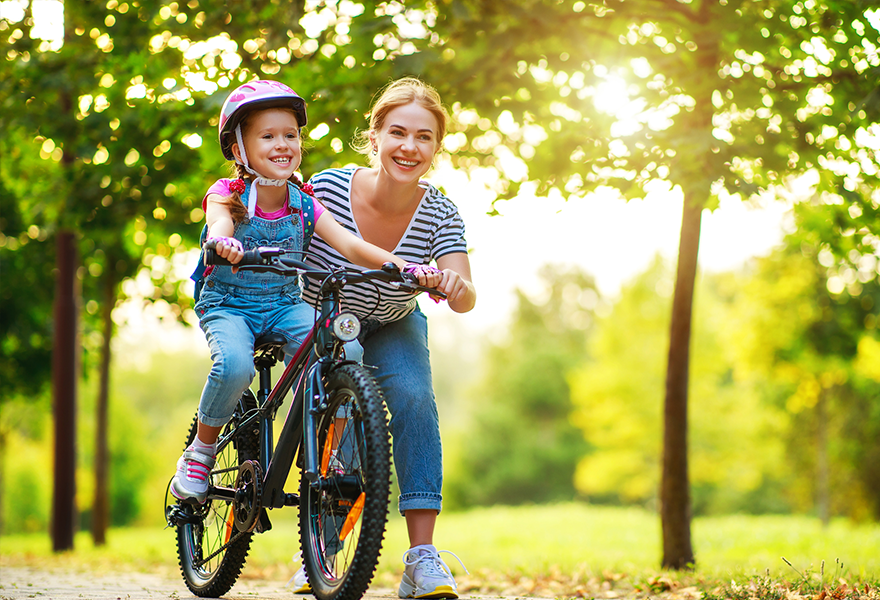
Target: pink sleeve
<point x="221" y="188"/>
<point x="319" y="209"/>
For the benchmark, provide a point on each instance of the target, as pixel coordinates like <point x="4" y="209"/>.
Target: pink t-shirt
<point x="221" y="188"/>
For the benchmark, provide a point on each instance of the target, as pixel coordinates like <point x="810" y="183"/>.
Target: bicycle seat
<point x="270" y="339"/>
<point x="269" y="346"/>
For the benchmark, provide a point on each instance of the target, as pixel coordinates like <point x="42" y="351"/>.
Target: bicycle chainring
<point x="248" y="496"/>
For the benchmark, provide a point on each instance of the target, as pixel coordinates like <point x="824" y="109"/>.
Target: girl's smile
<point x="272" y="143"/>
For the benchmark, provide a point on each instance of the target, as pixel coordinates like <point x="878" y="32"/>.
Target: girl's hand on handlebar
<point x="228" y="248"/>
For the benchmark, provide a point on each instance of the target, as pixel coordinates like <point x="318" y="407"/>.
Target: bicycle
<point x="337" y="430"/>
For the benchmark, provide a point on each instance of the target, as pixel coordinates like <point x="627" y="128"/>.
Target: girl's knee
<point x="234" y="372"/>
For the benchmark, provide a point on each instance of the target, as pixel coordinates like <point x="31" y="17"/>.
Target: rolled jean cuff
<point x="213" y="422"/>
<point x="419" y="501"/>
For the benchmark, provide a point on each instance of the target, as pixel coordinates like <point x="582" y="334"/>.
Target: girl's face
<point x="272" y="143"/>
<point x="407" y="142"/>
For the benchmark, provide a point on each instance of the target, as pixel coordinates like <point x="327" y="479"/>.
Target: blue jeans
<point x="399" y="351"/>
<point x="232" y="318"/>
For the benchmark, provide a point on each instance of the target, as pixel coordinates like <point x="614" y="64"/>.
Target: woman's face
<point x="407" y="142"/>
<point x="271" y="140"/>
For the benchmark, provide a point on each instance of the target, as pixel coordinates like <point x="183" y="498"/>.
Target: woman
<point x="390" y="206"/>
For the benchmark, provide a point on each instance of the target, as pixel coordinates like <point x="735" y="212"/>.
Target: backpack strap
<point x="308" y="217"/>
<point x="199" y="274"/>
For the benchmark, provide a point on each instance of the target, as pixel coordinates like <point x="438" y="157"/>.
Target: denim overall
<point x="236" y="308"/>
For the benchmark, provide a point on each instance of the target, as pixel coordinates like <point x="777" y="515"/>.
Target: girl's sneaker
<point x="426" y="575"/>
<point x="190" y="482"/>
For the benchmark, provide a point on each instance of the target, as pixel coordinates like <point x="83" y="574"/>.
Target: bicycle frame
<point x="334" y="481"/>
<point x="306" y="371"/>
<point x="313" y="361"/>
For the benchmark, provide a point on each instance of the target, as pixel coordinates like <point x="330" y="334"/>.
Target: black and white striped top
<point x="436" y="230"/>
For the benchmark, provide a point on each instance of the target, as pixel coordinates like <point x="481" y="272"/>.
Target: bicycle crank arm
<point x="221" y="493"/>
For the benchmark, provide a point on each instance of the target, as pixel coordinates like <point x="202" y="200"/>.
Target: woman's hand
<point x="461" y="294"/>
<point x="453" y="285"/>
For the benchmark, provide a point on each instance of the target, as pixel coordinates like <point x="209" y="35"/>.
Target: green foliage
<point x="811" y="344"/>
<point x="98" y="137"/>
<point x="520" y="446"/>
<point x="153" y="402"/>
<point x="735" y="461"/>
<point x="617" y="394"/>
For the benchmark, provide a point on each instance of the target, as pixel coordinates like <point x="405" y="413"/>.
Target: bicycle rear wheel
<point x="209" y="569"/>
<point x="343" y="516"/>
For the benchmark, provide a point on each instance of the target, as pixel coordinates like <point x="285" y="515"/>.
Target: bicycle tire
<point x="340" y="564"/>
<point x="213" y="522"/>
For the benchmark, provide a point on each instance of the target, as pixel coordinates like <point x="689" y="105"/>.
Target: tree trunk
<point x="675" y="502"/>
<point x="64" y="363"/>
<point x="3" y="482"/>
<point x="101" y="507"/>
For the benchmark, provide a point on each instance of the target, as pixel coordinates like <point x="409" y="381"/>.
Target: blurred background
<point x="608" y="158"/>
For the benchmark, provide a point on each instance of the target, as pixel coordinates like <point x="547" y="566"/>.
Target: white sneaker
<point x="301" y="582"/>
<point x="426" y="575"/>
<point x="190" y="482"/>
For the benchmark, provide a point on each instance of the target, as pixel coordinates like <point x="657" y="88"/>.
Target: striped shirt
<point x="436" y="230"/>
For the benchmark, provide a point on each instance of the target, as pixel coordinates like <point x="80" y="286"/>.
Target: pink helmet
<point x="256" y="94"/>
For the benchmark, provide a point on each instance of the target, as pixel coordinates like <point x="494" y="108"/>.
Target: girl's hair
<point x="401" y="92"/>
<point x="238" y="207"/>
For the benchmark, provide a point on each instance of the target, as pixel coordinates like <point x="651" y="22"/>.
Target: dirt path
<point x="28" y="582"/>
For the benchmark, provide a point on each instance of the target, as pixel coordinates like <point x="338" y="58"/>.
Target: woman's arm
<point x="456" y="282"/>
<point x="353" y="248"/>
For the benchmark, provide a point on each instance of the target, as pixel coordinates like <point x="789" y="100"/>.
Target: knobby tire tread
<point x="353" y="584"/>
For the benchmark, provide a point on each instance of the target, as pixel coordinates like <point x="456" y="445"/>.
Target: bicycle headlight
<point x="346" y="326"/>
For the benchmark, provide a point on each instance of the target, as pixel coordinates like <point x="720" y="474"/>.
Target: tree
<point x="811" y="342"/>
<point x="729" y="97"/>
<point x="735" y="459"/>
<point x="75" y="101"/>
<point x="557" y="97"/>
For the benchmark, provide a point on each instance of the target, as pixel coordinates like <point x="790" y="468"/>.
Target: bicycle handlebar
<point x="273" y="260"/>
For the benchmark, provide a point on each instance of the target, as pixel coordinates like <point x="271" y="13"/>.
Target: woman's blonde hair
<point x="401" y="92"/>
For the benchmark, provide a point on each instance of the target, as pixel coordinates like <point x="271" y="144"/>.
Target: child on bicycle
<point x="266" y="205"/>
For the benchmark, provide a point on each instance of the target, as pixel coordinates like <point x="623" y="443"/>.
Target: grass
<point x="553" y="551"/>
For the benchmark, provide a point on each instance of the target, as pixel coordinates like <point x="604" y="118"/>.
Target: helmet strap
<point x="259" y="179"/>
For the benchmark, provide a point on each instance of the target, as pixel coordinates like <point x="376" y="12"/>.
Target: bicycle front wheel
<point x="343" y="514"/>
<point x="210" y="548"/>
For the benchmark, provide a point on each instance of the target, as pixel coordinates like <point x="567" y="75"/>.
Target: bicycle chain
<point x="231" y="541"/>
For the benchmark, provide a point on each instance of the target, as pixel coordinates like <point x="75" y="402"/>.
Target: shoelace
<point x="196" y="470"/>
<point x="433" y="563"/>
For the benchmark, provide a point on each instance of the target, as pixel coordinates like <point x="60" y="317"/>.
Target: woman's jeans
<point x="399" y="351"/>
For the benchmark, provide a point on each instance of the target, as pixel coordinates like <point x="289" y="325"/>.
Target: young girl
<point x="260" y="126"/>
